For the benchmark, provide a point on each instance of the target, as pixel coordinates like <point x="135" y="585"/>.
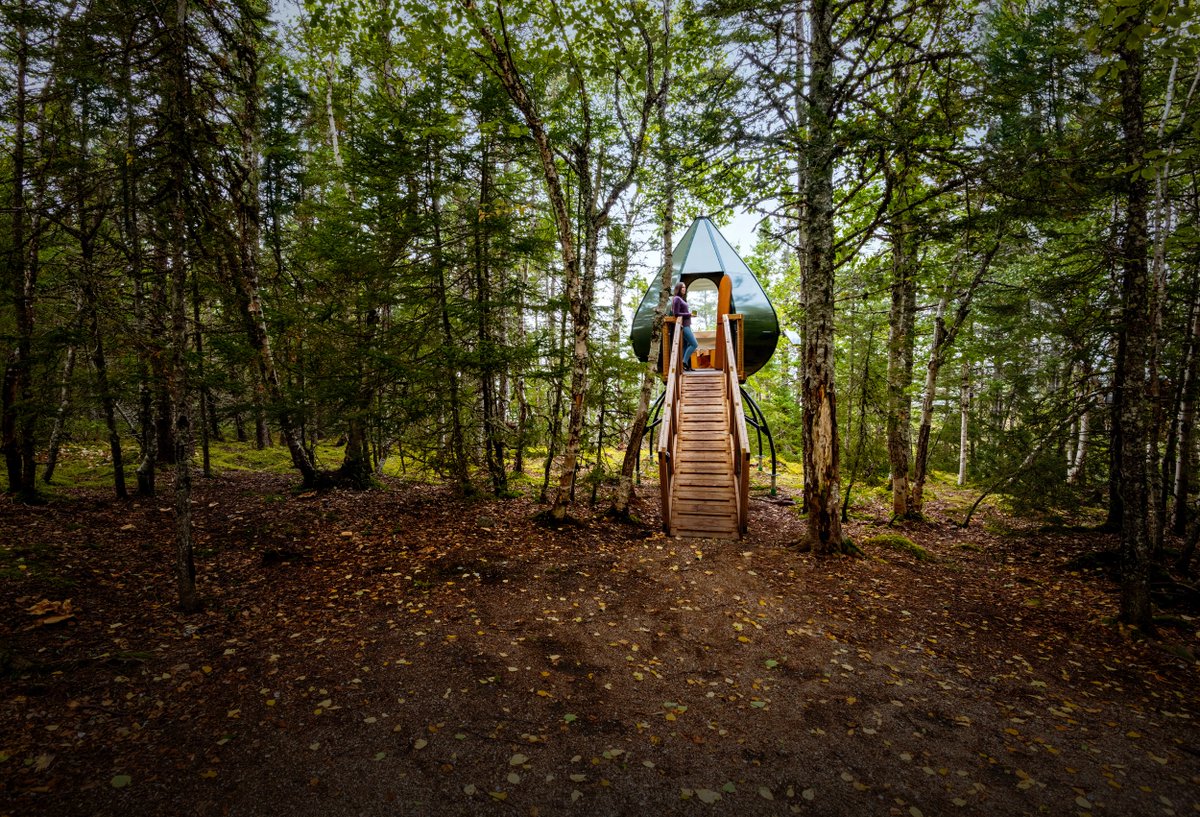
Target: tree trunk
<point x="862" y="422"/>
<point x="901" y="341"/>
<point x="822" y="491"/>
<point x="964" y="411"/>
<point x="1136" y="531"/>
<point x="177" y="101"/>
<point x="523" y="411"/>
<point x="245" y="269"/>
<point x="262" y="433"/>
<point x="633" y="448"/>
<point x="943" y="339"/>
<point x="205" y="408"/>
<point x="64" y="404"/>
<point x="493" y="407"/>
<point x="458" y="452"/>
<point x="357" y="469"/>
<point x="1116" y="446"/>
<point x="580" y="281"/>
<point x="555" y="428"/>
<point x="581" y="321"/>
<point x="133" y="247"/>
<point x="1080" y="454"/>
<point x="1187" y="425"/>
<point x="107" y="402"/>
<point x="16" y="401"/>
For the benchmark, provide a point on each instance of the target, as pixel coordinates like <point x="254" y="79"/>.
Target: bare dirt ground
<point x="406" y="652"/>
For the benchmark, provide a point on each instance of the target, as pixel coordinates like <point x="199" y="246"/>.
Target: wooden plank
<point x="694" y="507"/>
<point x="696" y="481"/>
<point x="702" y="465"/>
<point x="705" y="465"/>
<point x="705" y="533"/>
<point x="709" y="475"/>
<point x="690" y="522"/>
<point x="703" y="439"/>
<point x="706" y="451"/>
<point x="707" y="493"/>
<point x="713" y="478"/>
<point x="698" y="425"/>
<point x="705" y="432"/>
<point x="697" y="520"/>
<point x="709" y="481"/>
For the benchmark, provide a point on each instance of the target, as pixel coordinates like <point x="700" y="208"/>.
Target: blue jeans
<point x="689" y="345"/>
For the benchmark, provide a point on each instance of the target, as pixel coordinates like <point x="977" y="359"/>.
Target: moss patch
<point x="897" y="542"/>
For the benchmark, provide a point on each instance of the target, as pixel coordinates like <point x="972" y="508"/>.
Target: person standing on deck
<point x="679" y="308"/>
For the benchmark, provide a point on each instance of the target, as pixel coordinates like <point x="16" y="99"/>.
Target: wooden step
<point x="698" y="489"/>
<point x="705" y="529"/>
<point x="686" y="506"/>
<point x="715" y="462"/>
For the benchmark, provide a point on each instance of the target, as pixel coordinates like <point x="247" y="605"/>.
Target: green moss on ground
<point x="897" y="542"/>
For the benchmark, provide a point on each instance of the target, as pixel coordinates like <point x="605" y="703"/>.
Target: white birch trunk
<point x="1081" y="447"/>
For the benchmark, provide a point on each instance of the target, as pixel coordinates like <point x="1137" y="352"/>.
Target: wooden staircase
<point x="704" y="456"/>
<point x="703" y="500"/>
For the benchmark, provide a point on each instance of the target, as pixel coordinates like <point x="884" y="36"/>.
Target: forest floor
<point x="403" y="651"/>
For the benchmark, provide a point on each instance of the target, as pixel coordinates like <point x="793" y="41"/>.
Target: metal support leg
<point x="648" y="434"/>
<point x="759" y="421"/>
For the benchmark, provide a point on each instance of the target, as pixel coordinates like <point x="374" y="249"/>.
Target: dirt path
<point x="403" y="652"/>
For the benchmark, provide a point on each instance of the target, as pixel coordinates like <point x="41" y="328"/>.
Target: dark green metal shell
<point x="704" y="253"/>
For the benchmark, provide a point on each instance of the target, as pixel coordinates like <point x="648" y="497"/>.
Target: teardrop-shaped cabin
<point x="702" y="259"/>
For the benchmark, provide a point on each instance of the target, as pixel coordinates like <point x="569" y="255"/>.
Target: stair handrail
<point x="668" y="433"/>
<point x="739" y="441"/>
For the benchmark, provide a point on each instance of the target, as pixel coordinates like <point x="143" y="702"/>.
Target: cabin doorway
<point x="702" y="300"/>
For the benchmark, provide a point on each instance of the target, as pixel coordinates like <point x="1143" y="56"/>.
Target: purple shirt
<point x="679" y="308"/>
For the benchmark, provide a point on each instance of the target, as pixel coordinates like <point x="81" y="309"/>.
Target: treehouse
<point x="719" y="283"/>
<point x="701" y="419"/>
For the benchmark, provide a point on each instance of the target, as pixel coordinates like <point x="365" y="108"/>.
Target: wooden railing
<point x="729" y="330"/>
<point x="668" y="434"/>
<point x="739" y="443"/>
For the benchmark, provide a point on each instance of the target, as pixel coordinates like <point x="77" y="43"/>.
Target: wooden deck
<point x="704" y="492"/>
